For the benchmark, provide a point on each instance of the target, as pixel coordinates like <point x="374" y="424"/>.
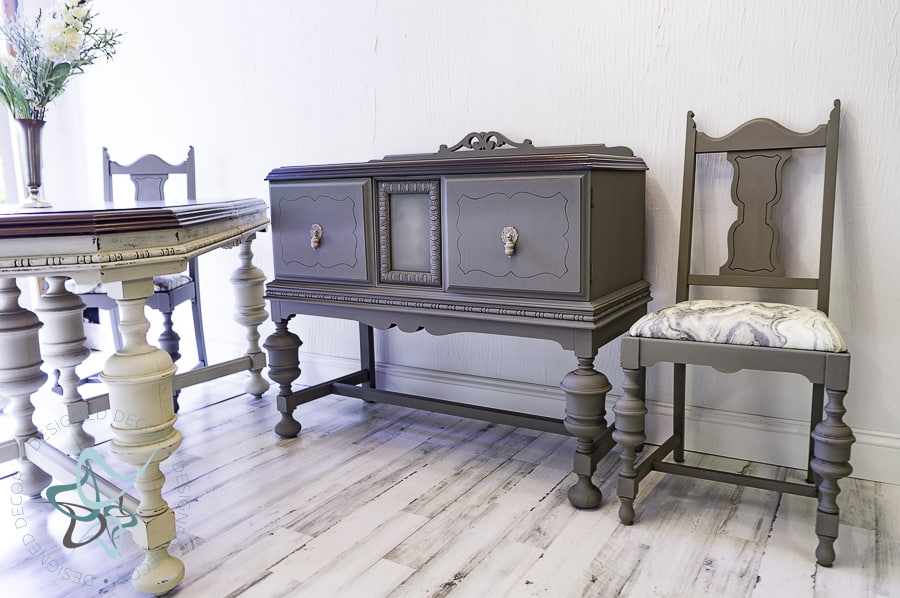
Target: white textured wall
<point x="255" y="85"/>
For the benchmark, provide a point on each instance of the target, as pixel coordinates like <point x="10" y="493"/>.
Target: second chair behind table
<point x="149" y="175"/>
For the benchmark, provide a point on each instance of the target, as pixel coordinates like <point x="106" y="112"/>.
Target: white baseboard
<point x="738" y="435"/>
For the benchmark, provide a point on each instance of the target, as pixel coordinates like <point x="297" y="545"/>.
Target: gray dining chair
<point x="149" y="175"/>
<point x="736" y="334"/>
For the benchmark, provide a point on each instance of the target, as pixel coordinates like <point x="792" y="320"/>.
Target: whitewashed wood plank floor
<point x="374" y="500"/>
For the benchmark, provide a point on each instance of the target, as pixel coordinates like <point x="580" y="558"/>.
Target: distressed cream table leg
<point x="139" y="378"/>
<point x="62" y="344"/>
<point x="249" y="286"/>
<point x="20" y="377"/>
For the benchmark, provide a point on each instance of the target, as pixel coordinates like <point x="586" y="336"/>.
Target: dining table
<point x="122" y="247"/>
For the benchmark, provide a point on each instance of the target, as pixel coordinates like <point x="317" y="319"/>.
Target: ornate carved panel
<point x="409" y="232"/>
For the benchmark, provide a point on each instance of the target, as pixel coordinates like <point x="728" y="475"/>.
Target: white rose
<point x="59" y="42"/>
<point x="72" y="41"/>
<point x="51" y="28"/>
<point x="74" y="17"/>
<point x="79" y="11"/>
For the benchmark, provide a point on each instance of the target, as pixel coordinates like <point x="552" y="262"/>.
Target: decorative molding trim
<point x="286" y="243"/>
<point x="638" y="295"/>
<point x="64" y="263"/>
<point x="738" y="434"/>
<point x="461" y="236"/>
<point x="387" y="189"/>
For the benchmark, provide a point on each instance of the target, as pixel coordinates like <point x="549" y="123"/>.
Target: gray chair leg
<point x="169" y="341"/>
<point x="678" y="402"/>
<point x="832" y="439"/>
<point x="818" y="405"/>
<point x="629" y="434"/>
<point x="198" y="331"/>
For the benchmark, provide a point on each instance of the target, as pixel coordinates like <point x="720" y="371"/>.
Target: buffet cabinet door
<point x="515" y="233"/>
<point x="321" y="229"/>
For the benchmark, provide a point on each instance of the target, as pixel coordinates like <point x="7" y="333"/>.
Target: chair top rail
<point x="763" y="134"/>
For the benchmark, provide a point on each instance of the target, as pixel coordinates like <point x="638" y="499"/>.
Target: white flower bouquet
<point x="46" y="52"/>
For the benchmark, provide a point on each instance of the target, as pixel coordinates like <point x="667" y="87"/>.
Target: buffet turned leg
<point x="20" y="377"/>
<point x="585" y="390"/>
<point x="62" y="344"/>
<point x="139" y="378"/>
<point x="283" y="347"/>
<point x="248" y="282"/>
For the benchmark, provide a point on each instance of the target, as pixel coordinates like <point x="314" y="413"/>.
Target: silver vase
<point x="31" y="137"/>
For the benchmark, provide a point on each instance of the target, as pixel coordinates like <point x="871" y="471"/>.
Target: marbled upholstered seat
<point x="752" y="323"/>
<point x="161" y="283"/>
<point x="735" y="334"/>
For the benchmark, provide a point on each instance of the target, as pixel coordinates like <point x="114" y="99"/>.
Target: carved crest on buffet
<point x="484" y="141"/>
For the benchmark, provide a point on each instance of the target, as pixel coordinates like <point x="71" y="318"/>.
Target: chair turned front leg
<point x="585" y="390"/>
<point x="831" y="461"/>
<point x="169" y="341"/>
<point x="283" y="348"/>
<point x="629" y="434"/>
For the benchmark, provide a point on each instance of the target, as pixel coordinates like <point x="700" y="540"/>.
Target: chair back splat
<point x="736" y="334"/>
<point x="758" y="152"/>
<point x="149" y="174"/>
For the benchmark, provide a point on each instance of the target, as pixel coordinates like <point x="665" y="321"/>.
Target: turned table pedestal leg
<point x="585" y="390"/>
<point x="20" y="377"/>
<point x="139" y="379"/>
<point x="62" y="344"/>
<point x="248" y="282"/>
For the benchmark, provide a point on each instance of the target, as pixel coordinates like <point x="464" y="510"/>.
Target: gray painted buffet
<point x="486" y="236"/>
